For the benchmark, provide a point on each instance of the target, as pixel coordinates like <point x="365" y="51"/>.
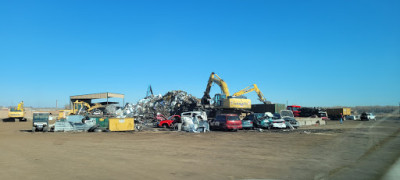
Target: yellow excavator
<point x="80" y="107"/>
<point x="17" y="112"/>
<point x="251" y="88"/>
<point x="223" y="101"/>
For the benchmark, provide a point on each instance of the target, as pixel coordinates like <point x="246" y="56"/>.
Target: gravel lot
<point x="354" y="150"/>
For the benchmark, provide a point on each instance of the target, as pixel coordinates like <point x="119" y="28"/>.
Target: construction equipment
<point x="149" y="92"/>
<point x="248" y="89"/>
<point x="40" y="121"/>
<point x="223" y="101"/>
<point x="17" y="112"/>
<point x="82" y="108"/>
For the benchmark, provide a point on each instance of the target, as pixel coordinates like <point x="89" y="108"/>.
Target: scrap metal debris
<point x="173" y="102"/>
<point x="74" y="123"/>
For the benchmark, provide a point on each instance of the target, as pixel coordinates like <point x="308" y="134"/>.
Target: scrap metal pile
<point x="173" y="102"/>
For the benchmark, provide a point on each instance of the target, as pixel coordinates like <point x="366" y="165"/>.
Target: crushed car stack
<point x="173" y="102"/>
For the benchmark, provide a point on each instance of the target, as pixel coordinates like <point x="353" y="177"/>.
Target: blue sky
<point x="311" y="53"/>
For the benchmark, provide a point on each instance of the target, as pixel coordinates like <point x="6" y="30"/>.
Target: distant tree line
<point x="376" y="109"/>
<point x="373" y="109"/>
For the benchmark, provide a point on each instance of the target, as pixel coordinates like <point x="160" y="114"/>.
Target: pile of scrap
<point x="173" y="102"/>
<point x="74" y="123"/>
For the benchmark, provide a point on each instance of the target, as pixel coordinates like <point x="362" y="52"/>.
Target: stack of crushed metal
<point x="173" y="102"/>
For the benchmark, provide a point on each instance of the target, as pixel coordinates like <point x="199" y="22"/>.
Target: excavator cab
<point x="219" y="99"/>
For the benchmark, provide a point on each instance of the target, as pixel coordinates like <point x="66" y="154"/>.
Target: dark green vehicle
<point x="40" y="121"/>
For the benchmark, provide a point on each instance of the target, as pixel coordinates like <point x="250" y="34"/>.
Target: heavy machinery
<point x="17" y="112"/>
<point x="223" y="101"/>
<point x="81" y="107"/>
<point x="248" y="89"/>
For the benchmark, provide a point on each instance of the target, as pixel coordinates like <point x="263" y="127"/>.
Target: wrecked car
<point x="247" y="123"/>
<point x="166" y="122"/>
<point x="226" y="122"/>
<point x="288" y="116"/>
<point x="195" y="121"/>
<point x="259" y="120"/>
<point x="276" y="121"/>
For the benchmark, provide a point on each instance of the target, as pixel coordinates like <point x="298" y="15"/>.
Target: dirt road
<point x="356" y="150"/>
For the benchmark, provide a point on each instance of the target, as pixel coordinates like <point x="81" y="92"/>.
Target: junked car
<point x="259" y="120"/>
<point x="276" y="122"/>
<point x="288" y="116"/>
<point x="247" y="123"/>
<point x="194" y="121"/>
<point x="226" y="122"/>
<point x="167" y="122"/>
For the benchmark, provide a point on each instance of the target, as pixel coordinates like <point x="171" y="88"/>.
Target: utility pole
<point x="56" y="104"/>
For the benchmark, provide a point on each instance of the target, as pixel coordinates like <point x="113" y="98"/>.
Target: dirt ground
<point x="354" y="150"/>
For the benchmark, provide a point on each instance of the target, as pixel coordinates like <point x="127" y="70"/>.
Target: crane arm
<point x="97" y="105"/>
<point x="20" y="106"/>
<point x="217" y="80"/>
<point x="221" y="83"/>
<point x="250" y="89"/>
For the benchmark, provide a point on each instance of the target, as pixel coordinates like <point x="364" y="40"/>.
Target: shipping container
<point x="272" y="108"/>
<point x="121" y="124"/>
<point x="335" y="113"/>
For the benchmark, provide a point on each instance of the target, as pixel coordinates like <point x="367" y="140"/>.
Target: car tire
<point x="165" y="126"/>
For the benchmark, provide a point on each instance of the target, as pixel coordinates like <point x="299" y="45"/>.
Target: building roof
<point x="97" y="96"/>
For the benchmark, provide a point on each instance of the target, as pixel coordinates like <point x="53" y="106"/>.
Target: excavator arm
<point x="248" y="89"/>
<point x="97" y="105"/>
<point x="214" y="78"/>
<point x="20" y="106"/>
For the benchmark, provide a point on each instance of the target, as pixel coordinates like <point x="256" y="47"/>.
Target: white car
<point x="353" y="117"/>
<point x="371" y="116"/>
<point x="276" y="122"/>
<point x="367" y="116"/>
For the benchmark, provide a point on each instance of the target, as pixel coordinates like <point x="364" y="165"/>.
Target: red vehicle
<point x="164" y="122"/>
<point x="294" y="109"/>
<point x="226" y="122"/>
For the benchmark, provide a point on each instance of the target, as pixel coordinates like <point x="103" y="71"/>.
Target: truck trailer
<point x="336" y="113"/>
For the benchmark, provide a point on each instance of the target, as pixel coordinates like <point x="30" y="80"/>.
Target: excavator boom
<point x="250" y="89"/>
<point x="217" y="80"/>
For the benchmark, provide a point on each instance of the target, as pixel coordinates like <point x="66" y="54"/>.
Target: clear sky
<point x="311" y="53"/>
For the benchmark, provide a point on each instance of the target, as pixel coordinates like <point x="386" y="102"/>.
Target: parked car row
<point x="232" y="121"/>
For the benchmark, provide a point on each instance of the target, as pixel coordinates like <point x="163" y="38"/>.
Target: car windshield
<point x="276" y="116"/>
<point x="248" y="118"/>
<point x="40" y="117"/>
<point x="287" y="113"/>
<point x="259" y="115"/>
<point x="233" y="118"/>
